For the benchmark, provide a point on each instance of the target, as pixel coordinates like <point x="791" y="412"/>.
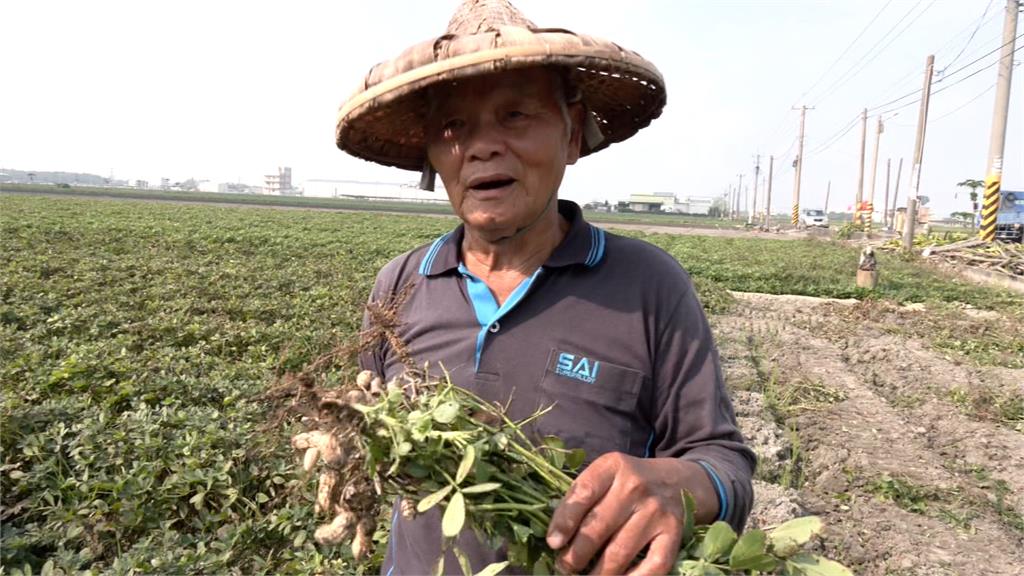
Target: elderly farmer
<point x="527" y="303"/>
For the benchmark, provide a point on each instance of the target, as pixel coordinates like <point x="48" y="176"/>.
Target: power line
<point x="785" y="155"/>
<point x="836" y="61"/>
<point x="955" y="110"/>
<point x="776" y="131"/>
<point x="979" y="59"/>
<point x="831" y="140"/>
<point x="947" y="76"/>
<point x="981" y="20"/>
<point x="948" y="86"/>
<point x="868" y="56"/>
<point x="893" y="86"/>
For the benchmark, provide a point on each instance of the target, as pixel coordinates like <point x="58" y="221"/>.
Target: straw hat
<point x="383" y="120"/>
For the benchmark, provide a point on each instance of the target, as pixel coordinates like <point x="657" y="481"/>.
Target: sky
<point x="228" y="91"/>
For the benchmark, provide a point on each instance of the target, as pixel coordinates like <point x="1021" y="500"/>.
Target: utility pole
<point x="799" y="168"/>
<point x="753" y="204"/>
<point x="915" y="168"/>
<point x="874" y="174"/>
<point x="993" y="180"/>
<point x="828" y="192"/>
<point x="896" y="196"/>
<point x="768" y="201"/>
<point x="860" y="179"/>
<point x="739" y="190"/>
<point x="885" y="204"/>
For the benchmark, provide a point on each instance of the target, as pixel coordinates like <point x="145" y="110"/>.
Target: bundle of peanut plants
<point x="430" y="444"/>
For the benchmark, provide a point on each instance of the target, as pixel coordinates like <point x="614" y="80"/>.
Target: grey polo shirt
<point x="609" y="330"/>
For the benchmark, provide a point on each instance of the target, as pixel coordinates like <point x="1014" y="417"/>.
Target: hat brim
<point x="383" y="121"/>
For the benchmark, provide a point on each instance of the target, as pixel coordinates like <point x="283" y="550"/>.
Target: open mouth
<point x="493" y="183"/>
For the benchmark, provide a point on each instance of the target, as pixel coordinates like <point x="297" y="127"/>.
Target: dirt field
<point x="912" y="455"/>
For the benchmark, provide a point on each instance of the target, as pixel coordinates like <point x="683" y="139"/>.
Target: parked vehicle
<point x="810" y="218"/>
<point x="1010" y="218"/>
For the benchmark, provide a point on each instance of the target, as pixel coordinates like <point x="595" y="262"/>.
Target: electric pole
<point x="799" y="165"/>
<point x="753" y="204"/>
<point x="915" y="168"/>
<point x="860" y="179"/>
<point x="895" y="197"/>
<point x="828" y="192"/>
<point x="993" y="180"/>
<point x="874" y="174"/>
<point x="739" y="190"/>
<point x="885" y="204"/>
<point x="768" y="200"/>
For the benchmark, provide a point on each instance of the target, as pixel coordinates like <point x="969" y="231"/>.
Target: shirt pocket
<point x="593" y="403"/>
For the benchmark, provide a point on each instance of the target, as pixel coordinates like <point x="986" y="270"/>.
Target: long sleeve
<point x="695" y="419"/>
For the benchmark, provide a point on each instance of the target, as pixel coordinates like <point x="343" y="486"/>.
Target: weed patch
<point x="948" y="505"/>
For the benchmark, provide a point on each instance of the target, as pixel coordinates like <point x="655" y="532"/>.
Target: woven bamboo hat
<point x="383" y="120"/>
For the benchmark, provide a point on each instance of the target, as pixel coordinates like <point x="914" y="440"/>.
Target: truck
<point x="1010" y="217"/>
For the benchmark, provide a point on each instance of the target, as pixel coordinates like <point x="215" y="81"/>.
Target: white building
<point x="281" y="183"/>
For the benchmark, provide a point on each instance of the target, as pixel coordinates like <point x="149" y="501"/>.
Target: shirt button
<point x="494" y="328"/>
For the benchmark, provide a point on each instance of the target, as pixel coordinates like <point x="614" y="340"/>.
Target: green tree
<point x="965" y="217"/>
<point x="973" y="185"/>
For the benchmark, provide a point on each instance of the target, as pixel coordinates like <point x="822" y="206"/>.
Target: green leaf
<point x="788" y="537"/>
<point x="468" y="459"/>
<point x="813" y="565"/>
<point x="446" y="412"/>
<point x="467" y="569"/>
<point x="761" y="563"/>
<point x="432" y="500"/>
<point x="439" y="566"/>
<point x="750" y="545"/>
<point x="556" y="450"/>
<point x="554" y="442"/>
<point x="698" y="568"/>
<point x="299" y="539"/>
<point x="689" y="520"/>
<point x="521" y="533"/>
<point x="492" y="569"/>
<point x="481" y="488"/>
<point x="717" y="542"/>
<point x="454" y="516"/>
<point x="575" y="459"/>
<point x="416" y="470"/>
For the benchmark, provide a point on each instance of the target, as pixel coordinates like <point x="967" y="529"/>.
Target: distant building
<point x="694" y="205"/>
<point x="141" y="184"/>
<point x="668" y="202"/>
<point x="281" y="183"/>
<point x="651" y="202"/>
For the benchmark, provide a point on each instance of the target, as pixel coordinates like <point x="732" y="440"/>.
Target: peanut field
<point x="137" y="340"/>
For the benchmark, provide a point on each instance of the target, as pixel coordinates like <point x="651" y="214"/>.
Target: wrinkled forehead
<point x="539" y="83"/>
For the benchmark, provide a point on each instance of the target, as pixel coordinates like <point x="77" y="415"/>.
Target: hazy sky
<point x="228" y="91"/>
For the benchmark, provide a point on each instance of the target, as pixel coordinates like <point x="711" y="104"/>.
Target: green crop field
<point x="351" y="204"/>
<point x="136" y="339"/>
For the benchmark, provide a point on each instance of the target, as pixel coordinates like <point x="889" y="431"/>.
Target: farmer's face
<point x="501" y="143"/>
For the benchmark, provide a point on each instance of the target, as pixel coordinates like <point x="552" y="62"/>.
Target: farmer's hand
<point x="623" y="504"/>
